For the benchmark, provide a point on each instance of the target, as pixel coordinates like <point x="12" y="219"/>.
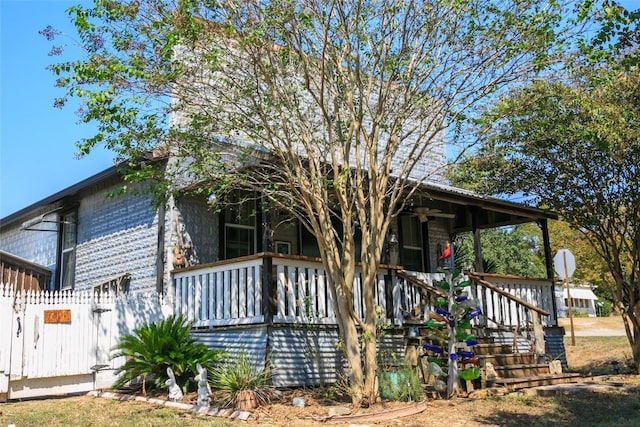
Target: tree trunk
<point x="354" y="358"/>
<point x="632" y="327"/>
<point x="370" y="341"/>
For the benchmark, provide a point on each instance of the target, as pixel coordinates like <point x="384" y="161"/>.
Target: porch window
<point x="411" y="256"/>
<point x="240" y="227"/>
<point x="67" y="249"/>
<point x="309" y="242"/>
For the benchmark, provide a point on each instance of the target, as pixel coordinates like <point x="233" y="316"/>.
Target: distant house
<point x="583" y="300"/>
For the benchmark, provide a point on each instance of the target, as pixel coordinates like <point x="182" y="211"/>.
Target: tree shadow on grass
<point x="583" y="408"/>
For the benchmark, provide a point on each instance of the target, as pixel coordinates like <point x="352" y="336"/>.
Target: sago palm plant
<point x="152" y="348"/>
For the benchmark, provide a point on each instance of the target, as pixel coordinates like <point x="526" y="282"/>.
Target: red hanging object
<point x="446" y="253"/>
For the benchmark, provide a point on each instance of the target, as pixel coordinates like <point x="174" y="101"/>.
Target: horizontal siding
<point x="554" y="337"/>
<point x="506" y="338"/>
<point x="251" y="340"/>
<point x="310" y="356"/>
<point x="304" y="357"/>
<point x="299" y="357"/>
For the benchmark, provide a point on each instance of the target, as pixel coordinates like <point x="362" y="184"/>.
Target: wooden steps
<point x="513" y="384"/>
<point x="514" y="371"/>
<point x="503" y="368"/>
<point x="522" y="370"/>
<point x="492" y="348"/>
<point x="509" y="359"/>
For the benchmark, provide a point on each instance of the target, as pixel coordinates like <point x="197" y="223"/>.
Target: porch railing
<point x="220" y="294"/>
<point x="508" y="300"/>
<point x="516" y="304"/>
<point x="288" y="289"/>
<point x="23" y="275"/>
<point x="303" y="296"/>
<point x="295" y="290"/>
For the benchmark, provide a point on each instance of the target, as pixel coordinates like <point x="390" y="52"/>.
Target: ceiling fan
<point x="425" y="213"/>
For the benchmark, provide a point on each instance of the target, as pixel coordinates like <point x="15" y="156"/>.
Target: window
<point x="411" y="243"/>
<point x="114" y="286"/>
<point x="240" y="226"/>
<point x="283" y="248"/>
<point x="67" y="256"/>
<point x="309" y="242"/>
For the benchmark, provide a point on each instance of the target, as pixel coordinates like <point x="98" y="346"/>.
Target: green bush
<point x="237" y="375"/>
<point x="580" y="313"/>
<point x="401" y="385"/>
<point x="606" y="309"/>
<point x="155" y="347"/>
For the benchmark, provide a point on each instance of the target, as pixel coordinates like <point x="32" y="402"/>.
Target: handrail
<point x="419" y="283"/>
<point x="261" y="255"/>
<point x="537" y="340"/>
<point x="489" y="285"/>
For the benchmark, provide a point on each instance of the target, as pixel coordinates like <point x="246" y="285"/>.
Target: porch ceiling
<point x="489" y="212"/>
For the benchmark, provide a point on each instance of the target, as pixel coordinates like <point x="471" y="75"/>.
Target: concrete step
<point x="513" y="384"/>
<point x="522" y="371"/>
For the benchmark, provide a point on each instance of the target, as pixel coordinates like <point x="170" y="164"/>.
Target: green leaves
<point x="155" y="347"/>
<point x="237" y="375"/>
<point x="573" y="147"/>
<point x="616" y="38"/>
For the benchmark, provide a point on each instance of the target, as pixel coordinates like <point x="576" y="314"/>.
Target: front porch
<point x="279" y="310"/>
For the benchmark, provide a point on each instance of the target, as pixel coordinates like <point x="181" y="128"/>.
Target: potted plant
<point x="244" y="386"/>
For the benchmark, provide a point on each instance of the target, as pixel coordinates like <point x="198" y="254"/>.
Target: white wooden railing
<point x="231" y="292"/>
<point x="504" y="308"/>
<point x="220" y="294"/>
<point x="303" y="296"/>
<point x="508" y="303"/>
<point x="294" y="289"/>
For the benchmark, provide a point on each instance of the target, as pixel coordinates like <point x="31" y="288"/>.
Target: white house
<point x="583" y="300"/>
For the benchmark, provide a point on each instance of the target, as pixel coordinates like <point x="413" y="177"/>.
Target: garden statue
<point x="203" y="387"/>
<point x="175" y="393"/>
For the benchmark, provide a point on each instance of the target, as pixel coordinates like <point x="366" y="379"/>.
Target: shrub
<point x="237" y="376"/>
<point x="154" y="347"/>
<point x="401" y="385"/>
<point x="606" y="309"/>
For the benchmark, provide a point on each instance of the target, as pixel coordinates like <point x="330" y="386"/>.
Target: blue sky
<point x="37" y="141"/>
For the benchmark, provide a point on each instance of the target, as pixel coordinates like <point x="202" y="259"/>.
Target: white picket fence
<point x="61" y="342"/>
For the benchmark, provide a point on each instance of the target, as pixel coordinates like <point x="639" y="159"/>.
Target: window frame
<point x="66" y="254"/>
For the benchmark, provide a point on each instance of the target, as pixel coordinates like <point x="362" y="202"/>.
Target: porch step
<point x="513" y="384"/>
<point x="522" y="370"/>
<point x="508" y="359"/>
<point x="485" y="340"/>
<point x="493" y="348"/>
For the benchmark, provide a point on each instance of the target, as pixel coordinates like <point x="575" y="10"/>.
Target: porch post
<point x="548" y="260"/>
<point x="267" y="294"/>
<point x="538" y="334"/>
<point x="160" y="250"/>
<point x="477" y="246"/>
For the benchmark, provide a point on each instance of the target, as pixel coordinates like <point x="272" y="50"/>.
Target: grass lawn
<point x="591" y="356"/>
